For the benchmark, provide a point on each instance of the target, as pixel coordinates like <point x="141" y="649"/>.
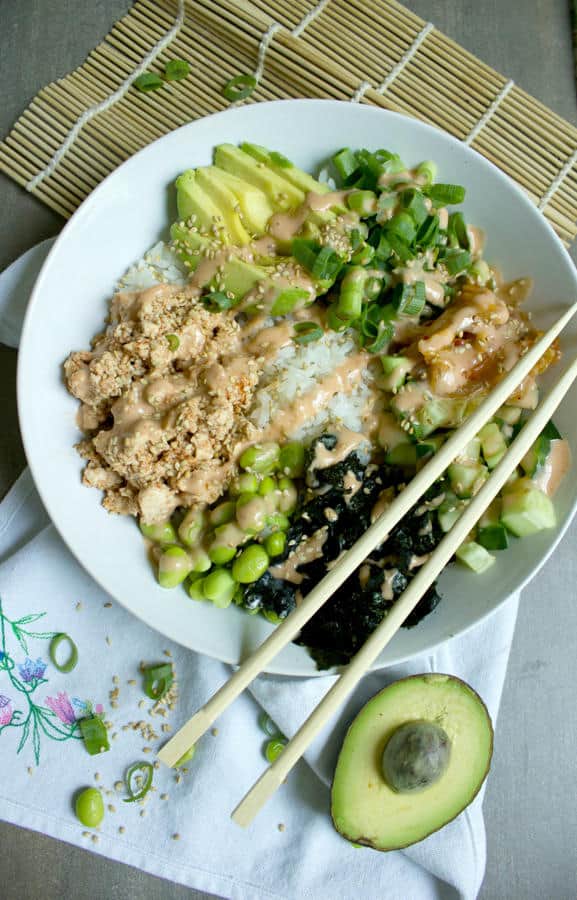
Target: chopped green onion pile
<point x="72" y="658"/>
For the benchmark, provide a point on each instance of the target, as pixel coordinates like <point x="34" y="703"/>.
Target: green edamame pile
<point x="217" y="551"/>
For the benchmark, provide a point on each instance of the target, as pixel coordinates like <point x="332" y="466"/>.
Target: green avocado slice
<point x="286" y="170"/>
<point x="281" y="193"/>
<point x="255" y="209"/>
<point x="365" y="809"/>
<point x="201" y="192"/>
<point x="193" y="202"/>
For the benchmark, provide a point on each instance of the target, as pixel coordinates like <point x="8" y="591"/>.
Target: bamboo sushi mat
<point x="80" y="128"/>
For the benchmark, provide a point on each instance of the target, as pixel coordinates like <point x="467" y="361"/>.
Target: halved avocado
<point x="400" y="732"/>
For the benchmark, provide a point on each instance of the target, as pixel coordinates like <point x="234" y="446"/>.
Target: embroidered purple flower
<point x="30" y="670"/>
<point x="6" y="711"/>
<point x="84" y="708"/>
<point x="62" y="707"/>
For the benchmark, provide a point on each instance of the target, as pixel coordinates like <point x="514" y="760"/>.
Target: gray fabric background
<point x="531" y="804"/>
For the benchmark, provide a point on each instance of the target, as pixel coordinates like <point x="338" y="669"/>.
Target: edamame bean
<point x="190" y="528"/>
<point x="277" y="521"/>
<point x="162" y="533"/>
<point x="288" y="496"/>
<point x="261" y="458"/>
<point x="199" y="560"/>
<point x="250" y="565"/>
<point x="194" y="588"/>
<point x="292" y="460"/>
<point x="224" y="543"/>
<point x="274" y="748"/>
<point x="89" y="807"/>
<point x="246" y="483"/>
<point x="219" y="587"/>
<point x="271" y="616"/>
<point x="173" y="566"/>
<point x="267" y="486"/>
<point x="275" y="543"/>
<point x="222" y="513"/>
<point x="251" y="513"/>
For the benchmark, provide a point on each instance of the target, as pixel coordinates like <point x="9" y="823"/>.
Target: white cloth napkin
<point x="184" y="832"/>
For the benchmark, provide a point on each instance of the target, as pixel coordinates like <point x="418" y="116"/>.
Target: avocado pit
<point x="416" y="756"/>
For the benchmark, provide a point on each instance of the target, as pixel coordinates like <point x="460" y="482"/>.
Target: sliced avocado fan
<point x="415" y="756"/>
<point x="230" y="204"/>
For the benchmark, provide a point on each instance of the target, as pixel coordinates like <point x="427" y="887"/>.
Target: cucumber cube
<point x="466" y="478"/>
<point x="493" y="537"/>
<point x="493" y="444"/>
<point x="475" y="556"/>
<point x="526" y="509"/>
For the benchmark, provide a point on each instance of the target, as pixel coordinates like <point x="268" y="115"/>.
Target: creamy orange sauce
<point x="387" y="591"/>
<point x="347" y="441"/>
<point x="307" y="551"/>
<point x="549" y="477"/>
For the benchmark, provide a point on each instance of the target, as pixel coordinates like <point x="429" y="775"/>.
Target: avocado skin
<point x="409" y="681"/>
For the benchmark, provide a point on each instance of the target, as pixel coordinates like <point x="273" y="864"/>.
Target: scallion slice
<point x="157" y="680"/>
<point x="140" y="775"/>
<point x="305" y="252"/>
<point x="306" y="332"/>
<point x="401" y="226"/>
<point x="413" y="201"/>
<point x="94" y="734"/>
<point x="446" y="194"/>
<point x="345" y="162"/>
<point x="173" y="342"/>
<point x="218" y="300"/>
<point x="279" y="160"/>
<point x="148" y="81"/>
<point x="239" y="88"/>
<point x="427" y="233"/>
<point x="409" y="299"/>
<point x="72" y="659"/>
<point x="458" y="227"/>
<point x="457" y="261"/>
<point x="326" y="264"/>
<point x="176" y="69"/>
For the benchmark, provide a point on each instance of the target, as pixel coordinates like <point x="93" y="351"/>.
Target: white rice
<point x="296" y="369"/>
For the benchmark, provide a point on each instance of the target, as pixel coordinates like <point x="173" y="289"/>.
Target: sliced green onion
<point x="279" y="160"/>
<point x="413" y="201"/>
<point x="426" y="172"/>
<point x="373" y="287"/>
<point x="287" y="300"/>
<point x="274" y="748"/>
<point x="458" y="227"/>
<point x="266" y="724"/>
<point x="239" y="88"/>
<point x="72" y="660"/>
<point x="218" y="300"/>
<point x="457" y="261"/>
<point x="305" y="252"/>
<point x="172" y="341"/>
<point x="94" y="734"/>
<point x="334" y="321"/>
<point x="148" y="81"/>
<point x="401" y="226"/>
<point x="363" y="255"/>
<point x="551" y="431"/>
<point x="140" y="774"/>
<point x="345" y="162"/>
<point x="427" y="233"/>
<point x="409" y="299"/>
<point x="446" y="194"/>
<point x="158" y="680"/>
<point x="362" y="202"/>
<point x="327" y="264"/>
<point x="176" y="69"/>
<point x="306" y="332"/>
<point x="400" y="247"/>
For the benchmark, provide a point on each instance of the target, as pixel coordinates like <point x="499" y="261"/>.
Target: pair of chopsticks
<point x="271" y="779"/>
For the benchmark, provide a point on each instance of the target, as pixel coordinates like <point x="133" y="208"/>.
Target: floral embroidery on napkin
<point x="21" y="678"/>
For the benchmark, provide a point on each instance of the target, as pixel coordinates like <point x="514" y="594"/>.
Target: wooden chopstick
<point x="271" y="779"/>
<point x="352" y="559"/>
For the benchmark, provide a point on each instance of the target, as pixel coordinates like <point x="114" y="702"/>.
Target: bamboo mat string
<point x="488" y="115"/>
<point x="105" y="104"/>
<point x="557" y="182"/>
<point x="397" y="69"/>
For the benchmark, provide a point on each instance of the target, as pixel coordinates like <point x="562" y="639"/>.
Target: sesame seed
<point x="176" y="837"/>
<point x="108" y="641"/>
<point x="156" y="764"/>
<point x="164" y="796"/>
<point x="121" y="829"/>
<point x="78" y="606"/>
<point x="107" y="605"/>
<point x="142" y="813"/>
<point x="30" y="770"/>
<point x="111" y="808"/>
<point x="94" y="838"/>
<point x="86" y="834"/>
<point x="97" y="776"/>
<point x="115" y="679"/>
<point x="131" y="681"/>
<point x="281" y="827"/>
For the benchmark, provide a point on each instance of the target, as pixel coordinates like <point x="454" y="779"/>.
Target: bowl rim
<point x="102" y="187"/>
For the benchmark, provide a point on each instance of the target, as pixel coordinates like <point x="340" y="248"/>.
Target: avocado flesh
<point x="254" y="205"/>
<point x="365" y="809"/>
<point x="226" y="201"/>
<point x="193" y="202"/>
<point x="282" y="194"/>
<point x="238" y="275"/>
<point x="201" y="192"/>
<point x="292" y="173"/>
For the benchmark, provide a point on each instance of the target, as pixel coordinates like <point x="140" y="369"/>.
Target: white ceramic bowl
<point x="131" y="210"/>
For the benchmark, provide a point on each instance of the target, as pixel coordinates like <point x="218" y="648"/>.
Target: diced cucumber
<point x="448" y="515"/>
<point x="509" y="414"/>
<point x="475" y="556"/>
<point x="492" y="515"/>
<point x="471" y="452"/>
<point x="536" y="456"/>
<point x="466" y="478"/>
<point x="526" y="509"/>
<point x="525" y="397"/>
<point x="430" y="445"/>
<point x="493" y="444"/>
<point x="404" y="455"/>
<point x="493" y="537"/>
<point x="396" y="369"/>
